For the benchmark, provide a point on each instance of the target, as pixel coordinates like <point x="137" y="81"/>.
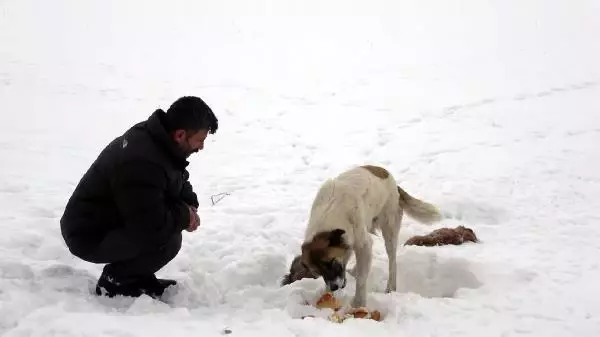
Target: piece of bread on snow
<point x="365" y="313"/>
<point x="359" y="312"/>
<point x="327" y="300"/>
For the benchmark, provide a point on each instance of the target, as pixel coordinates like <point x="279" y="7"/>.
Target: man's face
<point x="190" y="142"/>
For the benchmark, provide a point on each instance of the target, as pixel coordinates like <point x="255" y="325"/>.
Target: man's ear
<point x="335" y="237"/>
<point x="179" y="135"/>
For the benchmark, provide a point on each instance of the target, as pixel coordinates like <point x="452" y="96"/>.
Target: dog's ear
<point x="335" y="237"/>
<point x="318" y="243"/>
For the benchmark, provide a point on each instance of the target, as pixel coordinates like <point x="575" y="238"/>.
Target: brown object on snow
<point x="364" y="313"/>
<point x="359" y="312"/>
<point x="444" y="236"/>
<point x="327" y="300"/>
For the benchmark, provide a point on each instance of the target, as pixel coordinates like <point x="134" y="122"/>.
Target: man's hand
<point x="194" y="219"/>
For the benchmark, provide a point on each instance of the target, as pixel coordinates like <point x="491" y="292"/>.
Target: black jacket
<point x="138" y="183"/>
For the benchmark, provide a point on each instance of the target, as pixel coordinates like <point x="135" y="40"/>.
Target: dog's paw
<point x="391" y="287"/>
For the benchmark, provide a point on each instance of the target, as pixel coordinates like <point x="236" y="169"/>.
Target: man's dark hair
<point x="191" y="113"/>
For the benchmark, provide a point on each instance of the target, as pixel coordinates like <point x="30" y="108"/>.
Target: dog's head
<point x="326" y="256"/>
<point x="467" y="234"/>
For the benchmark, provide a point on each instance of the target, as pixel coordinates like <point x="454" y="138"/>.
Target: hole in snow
<point x="430" y="276"/>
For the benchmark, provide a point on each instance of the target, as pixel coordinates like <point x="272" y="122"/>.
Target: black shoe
<point x="155" y="287"/>
<point x="111" y="287"/>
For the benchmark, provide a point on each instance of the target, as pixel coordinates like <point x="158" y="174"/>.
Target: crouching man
<point x="130" y="207"/>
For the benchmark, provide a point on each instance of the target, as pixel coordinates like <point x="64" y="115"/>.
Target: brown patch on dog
<point x="377" y="171"/>
<point x="337" y="253"/>
<point x="324" y="246"/>
<point x="444" y="236"/>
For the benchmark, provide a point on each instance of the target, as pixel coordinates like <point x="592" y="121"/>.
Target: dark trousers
<point x="125" y="262"/>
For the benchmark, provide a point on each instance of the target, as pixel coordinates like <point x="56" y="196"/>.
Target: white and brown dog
<point x="346" y="210"/>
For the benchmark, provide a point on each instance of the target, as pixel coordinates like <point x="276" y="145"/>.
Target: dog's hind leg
<point x="390" y="231"/>
<point x="362" y="269"/>
<point x="391" y="247"/>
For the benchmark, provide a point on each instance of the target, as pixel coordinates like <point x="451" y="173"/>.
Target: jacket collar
<point x="158" y="132"/>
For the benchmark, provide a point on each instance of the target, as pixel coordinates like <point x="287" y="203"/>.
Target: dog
<point x="345" y="211"/>
<point x="444" y="236"/>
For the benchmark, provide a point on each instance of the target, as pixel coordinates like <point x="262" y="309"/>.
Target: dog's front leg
<point x="363" y="266"/>
<point x="351" y="271"/>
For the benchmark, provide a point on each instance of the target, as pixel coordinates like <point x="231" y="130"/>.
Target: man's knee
<point x="173" y="246"/>
<point x="78" y="247"/>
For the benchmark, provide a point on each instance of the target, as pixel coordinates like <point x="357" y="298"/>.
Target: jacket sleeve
<point x="150" y="218"/>
<point x="187" y="193"/>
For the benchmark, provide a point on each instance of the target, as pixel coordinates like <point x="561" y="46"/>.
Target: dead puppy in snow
<point x="444" y="236"/>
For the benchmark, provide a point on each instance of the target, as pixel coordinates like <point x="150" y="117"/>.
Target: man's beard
<point x="189" y="152"/>
<point x="186" y="149"/>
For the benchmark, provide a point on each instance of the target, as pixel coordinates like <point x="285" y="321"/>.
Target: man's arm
<point x="187" y="193"/>
<point x="150" y="218"/>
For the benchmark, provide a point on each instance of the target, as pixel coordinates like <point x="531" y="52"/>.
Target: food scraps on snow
<point x="328" y="301"/>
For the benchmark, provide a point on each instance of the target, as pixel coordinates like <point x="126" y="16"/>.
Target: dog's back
<point x="352" y="198"/>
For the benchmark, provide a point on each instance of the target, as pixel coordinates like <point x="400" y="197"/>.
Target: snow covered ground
<point x="489" y="109"/>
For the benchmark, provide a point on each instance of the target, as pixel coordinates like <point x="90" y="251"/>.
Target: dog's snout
<point x="338" y="283"/>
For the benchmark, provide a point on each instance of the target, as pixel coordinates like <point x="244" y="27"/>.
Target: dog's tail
<point x="417" y="209"/>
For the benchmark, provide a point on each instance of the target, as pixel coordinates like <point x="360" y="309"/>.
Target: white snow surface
<point x="488" y="109"/>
